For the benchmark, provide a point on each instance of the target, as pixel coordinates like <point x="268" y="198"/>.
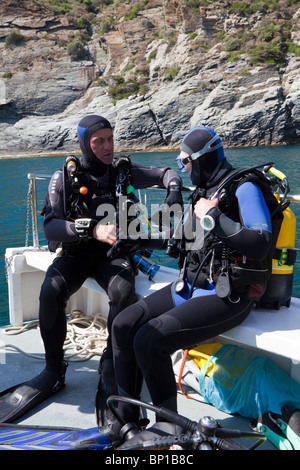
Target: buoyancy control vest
<point x="84" y="194"/>
<point x="248" y="278"/>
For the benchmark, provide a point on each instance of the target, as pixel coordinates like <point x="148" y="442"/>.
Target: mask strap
<point x="207" y="148"/>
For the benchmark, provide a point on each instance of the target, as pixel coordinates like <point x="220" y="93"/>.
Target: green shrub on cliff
<point x="273" y="52"/>
<point x="269" y="43"/>
<point x="120" y="89"/>
<point x="13" y="38"/>
<point x="76" y="50"/>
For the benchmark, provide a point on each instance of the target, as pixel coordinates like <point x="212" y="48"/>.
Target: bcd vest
<point x="248" y="278"/>
<point x="84" y="194"/>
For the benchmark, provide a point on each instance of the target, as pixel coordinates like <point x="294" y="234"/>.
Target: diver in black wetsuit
<point x="85" y="254"/>
<point x="89" y="256"/>
<point x="145" y="334"/>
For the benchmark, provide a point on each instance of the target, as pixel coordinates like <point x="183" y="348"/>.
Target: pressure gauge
<point x="179" y="286"/>
<point x="207" y="222"/>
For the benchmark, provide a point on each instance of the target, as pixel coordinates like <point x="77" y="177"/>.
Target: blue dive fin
<point x="22" y="437"/>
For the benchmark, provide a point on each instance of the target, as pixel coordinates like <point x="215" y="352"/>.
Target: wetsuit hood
<point x="211" y="165"/>
<point x="86" y="127"/>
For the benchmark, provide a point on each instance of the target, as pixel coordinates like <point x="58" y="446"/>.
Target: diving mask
<point x="182" y="161"/>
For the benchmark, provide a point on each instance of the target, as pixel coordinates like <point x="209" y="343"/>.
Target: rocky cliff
<point x="154" y="68"/>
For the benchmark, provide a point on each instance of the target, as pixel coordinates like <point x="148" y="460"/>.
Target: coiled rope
<point x="86" y="336"/>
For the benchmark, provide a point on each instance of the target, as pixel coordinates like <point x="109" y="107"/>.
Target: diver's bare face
<point x="102" y="144"/>
<point x="188" y="166"/>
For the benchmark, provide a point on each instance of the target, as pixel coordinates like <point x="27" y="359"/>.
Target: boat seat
<point x="275" y="333"/>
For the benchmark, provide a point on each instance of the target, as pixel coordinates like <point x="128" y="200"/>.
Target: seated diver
<point x="84" y="254"/>
<point x="215" y="292"/>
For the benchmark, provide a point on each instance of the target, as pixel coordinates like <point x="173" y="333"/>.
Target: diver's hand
<point x="105" y="233"/>
<point x="174" y="195"/>
<point x="204" y="205"/>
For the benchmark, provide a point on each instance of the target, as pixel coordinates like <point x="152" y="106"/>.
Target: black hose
<point x="169" y="415"/>
<point x="222" y="439"/>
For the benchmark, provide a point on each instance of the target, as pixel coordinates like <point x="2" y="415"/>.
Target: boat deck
<point x="74" y="406"/>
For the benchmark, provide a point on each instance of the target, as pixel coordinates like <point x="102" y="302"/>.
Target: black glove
<point x="130" y="246"/>
<point x="174" y="195"/>
<point x="173" y="248"/>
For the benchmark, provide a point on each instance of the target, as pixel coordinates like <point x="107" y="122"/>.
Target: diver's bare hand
<point x="204" y="205"/>
<point x="105" y="233"/>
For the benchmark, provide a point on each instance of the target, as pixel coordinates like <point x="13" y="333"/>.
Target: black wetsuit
<point x="86" y="258"/>
<point x="145" y="334"/>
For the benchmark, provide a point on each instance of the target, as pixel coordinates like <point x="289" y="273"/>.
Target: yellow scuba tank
<point x="279" y="289"/>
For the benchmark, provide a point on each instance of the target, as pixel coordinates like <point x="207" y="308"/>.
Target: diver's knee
<point x="125" y="325"/>
<point x="122" y="294"/>
<point x="52" y="302"/>
<point x="50" y="290"/>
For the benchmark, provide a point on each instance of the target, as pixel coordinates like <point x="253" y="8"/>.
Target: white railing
<point x="33" y="177"/>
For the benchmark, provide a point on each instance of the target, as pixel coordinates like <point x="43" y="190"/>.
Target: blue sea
<point x="14" y="188"/>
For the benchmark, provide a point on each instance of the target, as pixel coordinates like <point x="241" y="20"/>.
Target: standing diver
<point x="73" y="218"/>
<point x="219" y="282"/>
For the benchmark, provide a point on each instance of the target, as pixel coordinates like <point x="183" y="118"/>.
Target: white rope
<point x="15" y="348"/>
<point x="86" y="336"/>
<point x="16" y="330"/>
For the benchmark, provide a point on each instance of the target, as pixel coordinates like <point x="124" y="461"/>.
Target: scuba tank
<point x="279" y="288"/>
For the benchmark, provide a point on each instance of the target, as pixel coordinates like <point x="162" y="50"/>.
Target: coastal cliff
<point x="154" y="68"/>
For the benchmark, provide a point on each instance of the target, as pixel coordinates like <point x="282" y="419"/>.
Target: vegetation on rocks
<point x="264" y="32"/>
<point x="13" y="39"/>
<point x="233" y="65"/>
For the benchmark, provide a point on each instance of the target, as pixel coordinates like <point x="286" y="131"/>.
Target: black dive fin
<point x="18" y="400"/>
<point x="107" y="386"/>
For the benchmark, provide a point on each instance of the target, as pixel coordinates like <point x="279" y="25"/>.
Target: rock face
<point x="174" y="68"/>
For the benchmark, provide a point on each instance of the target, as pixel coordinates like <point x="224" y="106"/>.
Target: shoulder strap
<point x="239" y="172"/>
